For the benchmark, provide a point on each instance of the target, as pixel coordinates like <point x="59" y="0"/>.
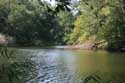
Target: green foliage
<point x="36" y="22"/>
<point x="82" y="29"/>
<point x="66" y="25"/>
<point x="102" y="19"/>
<point x="95" y="78"/>
<point x="30" y="23"/>
<point x="14" y="68"/>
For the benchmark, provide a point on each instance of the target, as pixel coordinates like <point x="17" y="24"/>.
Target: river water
<point x="76" y="66"/>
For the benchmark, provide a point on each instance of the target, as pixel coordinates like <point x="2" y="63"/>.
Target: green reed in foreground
<point x="14" y="68"/>
<point x="96" y="78"/>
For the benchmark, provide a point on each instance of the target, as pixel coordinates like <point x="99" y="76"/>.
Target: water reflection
<point x="66" y="66"/>
<point x="61" y="66"/>
<point x="53" y="67"/>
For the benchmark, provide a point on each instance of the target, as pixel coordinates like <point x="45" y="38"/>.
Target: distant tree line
<point x="36" y="22"/>
<point x="31" y="23"/>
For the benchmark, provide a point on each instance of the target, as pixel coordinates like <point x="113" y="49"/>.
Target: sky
<point x="52" y="2"/>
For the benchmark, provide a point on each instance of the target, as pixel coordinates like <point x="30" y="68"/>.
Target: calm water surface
<point x="71" y="66"/>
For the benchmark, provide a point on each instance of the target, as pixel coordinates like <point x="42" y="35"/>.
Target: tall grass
<point x="14" y="68"/>
<point x="97" y="78"/>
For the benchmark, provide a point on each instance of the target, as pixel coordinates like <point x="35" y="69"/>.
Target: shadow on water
<point x="60" y="66"/>
<point x="15" y="68"/>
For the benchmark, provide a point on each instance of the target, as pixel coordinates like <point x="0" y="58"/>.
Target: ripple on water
<point x="60" y="66"/>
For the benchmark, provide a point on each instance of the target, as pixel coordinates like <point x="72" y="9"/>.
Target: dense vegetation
<point x="15" y="67"/>
<point x="29" y="22"/>
<point x="36" y="22"/>
<point x="100" y="20"/>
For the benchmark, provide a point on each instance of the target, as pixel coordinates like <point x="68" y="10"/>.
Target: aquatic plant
<point x="14" y="68"/>
<point x="96" y="78"/>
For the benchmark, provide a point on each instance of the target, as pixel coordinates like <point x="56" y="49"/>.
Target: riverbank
<point x="88" y="45"/>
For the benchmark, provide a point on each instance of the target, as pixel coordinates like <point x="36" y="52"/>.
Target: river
<point x="75" y="66"/>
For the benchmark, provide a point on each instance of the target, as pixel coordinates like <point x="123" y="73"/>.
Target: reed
<point x="14" y="68"/>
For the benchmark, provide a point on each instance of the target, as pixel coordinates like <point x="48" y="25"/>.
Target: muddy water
<point x="70" y="66"/>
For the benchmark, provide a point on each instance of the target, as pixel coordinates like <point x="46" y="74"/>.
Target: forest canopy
<point x="68" y="22"/>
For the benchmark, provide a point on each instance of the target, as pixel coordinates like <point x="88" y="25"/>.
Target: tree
<point x="102" y="19"/>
